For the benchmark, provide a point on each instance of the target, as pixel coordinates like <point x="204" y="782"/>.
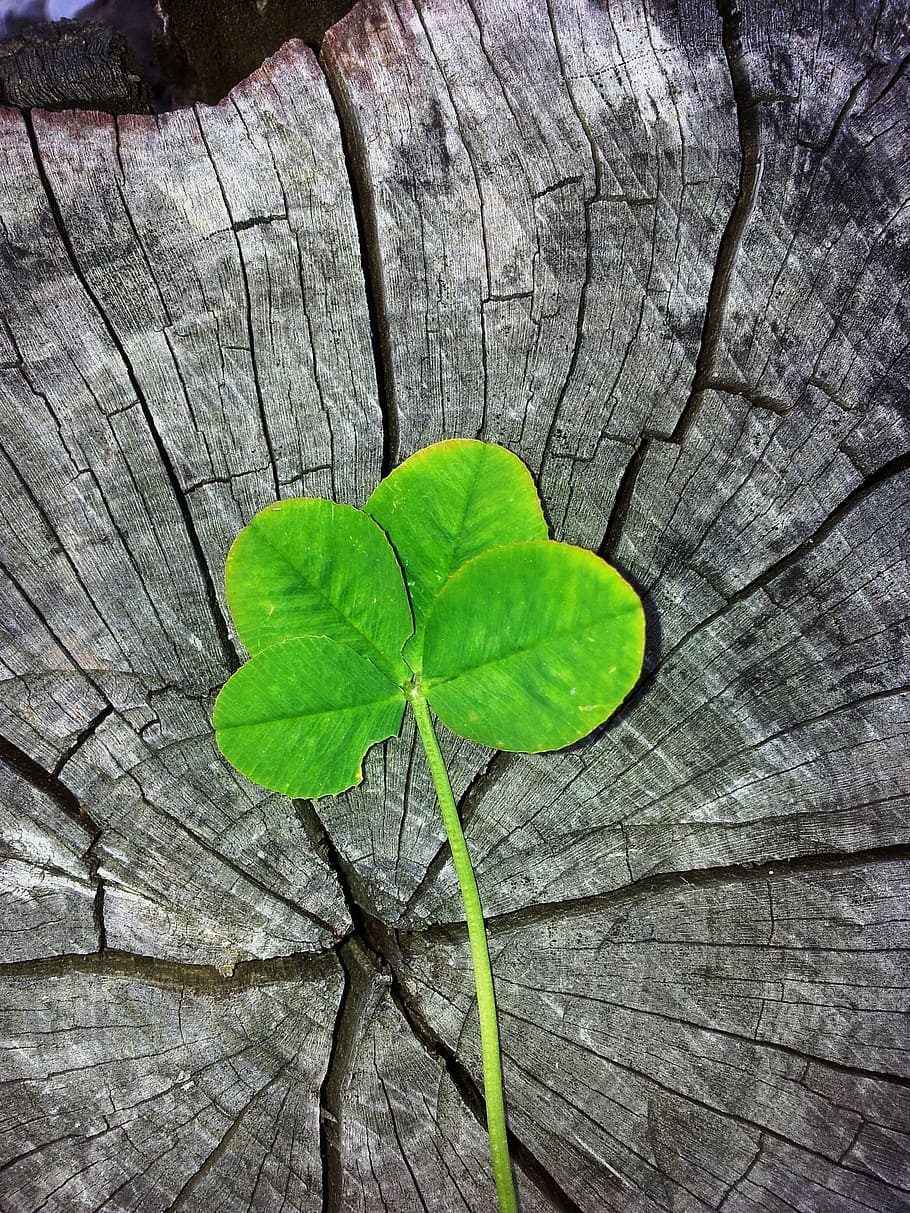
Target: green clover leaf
<point x="531" y="646"/>
<point x="308" y="567"/>
<point x="447" y="504"/>
<point x="300" y="716"/>
<point x="444" y="593"/>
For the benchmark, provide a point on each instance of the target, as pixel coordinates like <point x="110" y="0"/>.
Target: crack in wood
<point x="888" y="471"/>
<point x="357" y="165"/>
<point x="865" y="1073"/>
<point x="234" y="866"/>
<point x="227" y="645"/>
<point x="403" y="1154"/>
<point x="49" y="783"/>
<point x="248" y="302"/>
<point x="358" y="1000"/>
<point x="653" y="884"/>
<point x="589" y="250"/>
<point x="362" y="944"/>
<point x="889" y="84"/>
<point x="581" y="1106"/>
<point x="224" y="1142"/>
<point x="374" y="941"/>
<point x="79" y="741"/>
<point x="93" y="861"/>
<point x="759" y="400"/>
<point x="134" y="231"/>
<point x="854" y="499"/>
<point x="315" y="966"/>
<point x="60" y="547"/>
<point x="464" y="1082"/>
<point x="625" y="491"/>
<point x="658" y="1153"/>
<point x="648" y="1078"/>
<point x="242" y="225"/>
<point x="751" y="166"/>
<point x="728" y="250"/>
<point x="741" y="1179"/>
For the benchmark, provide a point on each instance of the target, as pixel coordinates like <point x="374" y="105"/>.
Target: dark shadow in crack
<point x="139" y="56"/>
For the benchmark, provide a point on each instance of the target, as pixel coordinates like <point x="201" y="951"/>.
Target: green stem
<point x="483" y="974"/>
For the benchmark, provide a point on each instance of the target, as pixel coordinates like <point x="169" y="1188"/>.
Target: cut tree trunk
<point x="661" y="252"/>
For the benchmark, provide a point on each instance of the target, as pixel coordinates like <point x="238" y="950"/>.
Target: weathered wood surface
<point x="660" y="252"/>
<point x="58" y="64"/>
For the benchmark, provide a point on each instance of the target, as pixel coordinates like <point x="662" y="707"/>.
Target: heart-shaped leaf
<point x="299" y="717"/>
<point x="307" y="567"/>
<point x="531" y="646"/>
<point x="447" y="504"/>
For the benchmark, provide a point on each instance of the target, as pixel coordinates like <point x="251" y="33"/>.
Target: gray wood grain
<point x="47" y="890"/>
<point x="128" y="471"/>
<point x="152" y="1086"/>
<point x="561" y="290"/>
<point x="734" y="1042"/>
<point x="62" y="64"/>
<point x="404" y="1138"/>
<point x="660" y="252"/>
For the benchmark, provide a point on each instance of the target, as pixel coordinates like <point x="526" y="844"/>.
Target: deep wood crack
<point x="728" y="250"/>
<point x="331" y="1093"/>
<point x="655" y="884"/>
<point x="464" y="1082"/>
<point x="363" y="201"/>
<point x="486" y="777"/>
<point x="751" y="164"/>
<point x="179" y="975"/>
<point x="51" y="785"/>
<point x="229" y="651"/>
<point x="374" y="943"/>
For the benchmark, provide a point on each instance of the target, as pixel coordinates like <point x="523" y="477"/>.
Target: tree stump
<point x="658" y="250"/>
